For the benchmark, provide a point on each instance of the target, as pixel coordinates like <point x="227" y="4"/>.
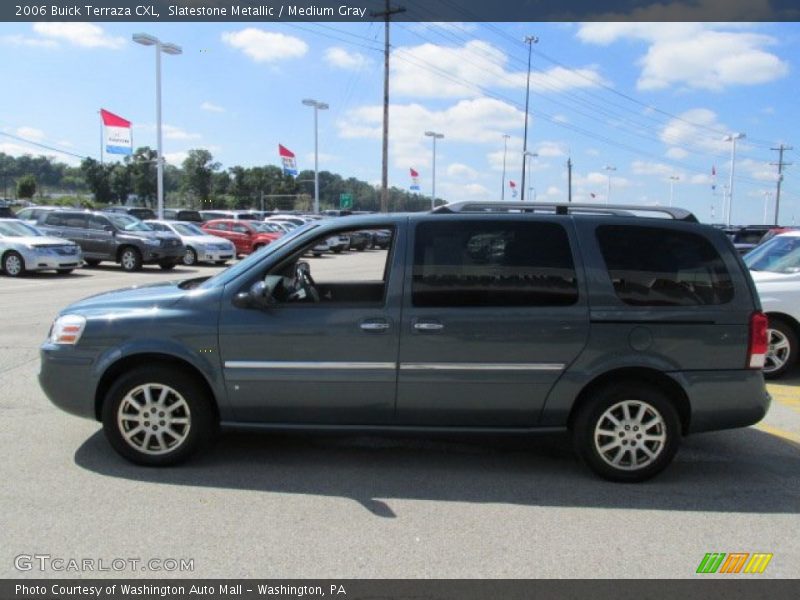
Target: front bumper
<point x="160" y="253"/>
<point x="68" y="380"/>
<point x="51" y="262"/>
<point x="216" y="255"/>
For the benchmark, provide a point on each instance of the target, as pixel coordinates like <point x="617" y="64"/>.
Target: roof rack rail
<point x="561" y="208"/>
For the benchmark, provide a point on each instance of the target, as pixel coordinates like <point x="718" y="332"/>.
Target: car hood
<point x="156" y="295"/>
<point x="37" y="240"/>
<point x="774" y="277"/>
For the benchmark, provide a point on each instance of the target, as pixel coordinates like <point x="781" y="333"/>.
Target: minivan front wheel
<point x="627" y="432"/>
<point x="130" y="259"/>
<point x="157" y="416"/>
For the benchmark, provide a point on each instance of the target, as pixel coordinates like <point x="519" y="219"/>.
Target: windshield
<point x="187" y="229"/>
<point x="256" y="257"/>
<point x="18" y="229"/>
<point x="128" y="223"/>
<point x="267" y="227"/>
<point x="779" y="255"/>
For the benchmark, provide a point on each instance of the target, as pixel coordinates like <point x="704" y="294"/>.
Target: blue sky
<point x="653" y="100"/>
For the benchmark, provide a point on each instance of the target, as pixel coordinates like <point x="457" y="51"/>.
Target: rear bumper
<point x="724" y="399"/>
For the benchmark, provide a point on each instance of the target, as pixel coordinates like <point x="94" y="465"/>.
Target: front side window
<point x="779" y="255"/>
<point x="492" y="263"/>
<point x="654" y="266"/>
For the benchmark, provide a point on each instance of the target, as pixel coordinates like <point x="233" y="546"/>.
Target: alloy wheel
<point x="778" y="351"/>
<point x="154" y="419"/>
<point x="630" y="435"/>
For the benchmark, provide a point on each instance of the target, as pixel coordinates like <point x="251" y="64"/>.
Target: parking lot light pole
<point x="609" y="169"/>
<point x="146" y="39"/>
<point x="731" y="138"/>
<point x="531" y="156"/>
<point x="318" y="106"/>
<point x="435" y="136"/>
<point x="672" y="180"/>
<point x="505" y="152"/>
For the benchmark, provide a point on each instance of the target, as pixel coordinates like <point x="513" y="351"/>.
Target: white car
<point x="200" y="246"/>
<point x="775" y="267"/>
<point x="25" y="248"/>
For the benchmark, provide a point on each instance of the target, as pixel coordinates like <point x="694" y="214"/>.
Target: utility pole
<point x="569" y="179"/>
<point x="387" y="17"/>
<point x="780" y="164"/>
<point x="530" y="40"/>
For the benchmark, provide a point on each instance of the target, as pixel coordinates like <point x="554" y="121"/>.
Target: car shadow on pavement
<point x="745" y="471"/>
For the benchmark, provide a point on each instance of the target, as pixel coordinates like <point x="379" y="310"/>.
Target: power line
<point x="40" y="145"/>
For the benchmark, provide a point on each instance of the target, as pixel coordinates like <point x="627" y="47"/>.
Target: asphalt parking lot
<point x="293" y="506"/>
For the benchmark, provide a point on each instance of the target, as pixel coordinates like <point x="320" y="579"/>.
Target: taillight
<point x="759" y="341"/>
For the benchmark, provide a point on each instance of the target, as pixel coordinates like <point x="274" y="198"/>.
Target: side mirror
<point x="109" y="228"/>
<point x="258" y="296"/>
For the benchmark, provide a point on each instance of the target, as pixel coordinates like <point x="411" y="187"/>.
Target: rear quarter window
<point x="655" y="266"/>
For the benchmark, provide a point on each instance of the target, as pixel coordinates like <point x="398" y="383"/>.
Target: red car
<point x="247" y="236"/>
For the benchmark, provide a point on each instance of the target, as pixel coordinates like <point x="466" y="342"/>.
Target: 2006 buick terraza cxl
<point x="626" y="330"/>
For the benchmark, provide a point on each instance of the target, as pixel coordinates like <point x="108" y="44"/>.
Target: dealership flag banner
<point x="414" y="180"/>
<point x="513" y="187"/>
<point x="288" y="160"/>
<point x="117" y="136"/>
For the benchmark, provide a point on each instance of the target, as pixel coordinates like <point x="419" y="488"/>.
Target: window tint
<point x="54" y="219"/>
<point x="493" y="263"/>
<point x="98" y="222"/>
<point x="652" y="266"/>
<point x="240" y="229"/>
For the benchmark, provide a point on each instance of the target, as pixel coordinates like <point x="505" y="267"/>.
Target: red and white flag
<point x="513" y="187"/>
<point x="117" y="135"/>
<point x="288" y="160"/>
<point x="414" y="180"/>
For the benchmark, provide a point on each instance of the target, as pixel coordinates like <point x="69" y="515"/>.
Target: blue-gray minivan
<point x="625" y="330"/>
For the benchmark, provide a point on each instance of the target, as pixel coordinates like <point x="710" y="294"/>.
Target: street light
<point x="731" y="138"/>
<point x="318" y="106"/>
<point x="435" y="136"/>
<point x="530" y="40"/>
<point x="609" y="169"/>
<point x="505" y="152"/>
<point x="672" y="180"/>
<point x="531" y="155"/>
<point x="146" y="39"/>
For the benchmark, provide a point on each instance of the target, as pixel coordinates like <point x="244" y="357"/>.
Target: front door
<point x="323" y="354"/>
<point x="493" y="314"/>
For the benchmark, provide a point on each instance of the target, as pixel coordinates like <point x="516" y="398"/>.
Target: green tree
<point x="98" y="179"/>
<point x="143" y="174"/>
<point x="198" y="173"/>
<point x="26" y="186"/>
<point x="120" y="182"/>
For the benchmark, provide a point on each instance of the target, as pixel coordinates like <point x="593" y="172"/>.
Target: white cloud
<point x="640" y="167"/>
<point x="344" y="59"/>
<point x="176" y="158"/>
<point x="438" y="71"/>
<point x="694" y="55"/>
<point x="31" y="42"/>
<point x="84" y="35"/>
<point x="172" y="132"/>
<point x="461" y="171"/>
<point x="553" y="191"/>
<point x="31" y="133"/>
<point x="265" y="46"/>
<point x="211" y="107"/>
<point x="677" y="153"/>
<point x="698" y="128"/>
<point x="547" y="149"/>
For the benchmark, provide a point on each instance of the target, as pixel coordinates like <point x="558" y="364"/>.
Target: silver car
<point x="24" y="248"/>
<point x="200" y="246"/>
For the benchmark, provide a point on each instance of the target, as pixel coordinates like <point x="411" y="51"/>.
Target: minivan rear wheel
<point x="157" y="416"/>
<point x="627" y="432"/>
<point x="782" y="349"/>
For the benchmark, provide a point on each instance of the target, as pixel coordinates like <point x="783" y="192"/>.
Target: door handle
<point x="374" y="326"/>
<point x="428" y="326"/>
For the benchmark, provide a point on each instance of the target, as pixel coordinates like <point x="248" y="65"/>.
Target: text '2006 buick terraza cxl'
<point x="626" y="331"/>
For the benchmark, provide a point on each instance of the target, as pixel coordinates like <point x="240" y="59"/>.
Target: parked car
<point x="235" y="215"/>
<point x="381" y="238"/>
<point x="183" y="214"/>
<point x="31" y="214"/>
<point x="6" y="212"/>
<point x="296" y="220"/>
<point x="627" y="332"/>
<point x="775" y="231"/>
<point x="200" y="246"/>
<point x="775" y="267"/>
<point x="360" y="240"/>
<point x="746" y="238"/>
<point x="338" y="243"/>
<point x="23" y="248"/>
<point x="245" y="235"/>
<point x="140" y="212"/>
<point x="114" y="237"/>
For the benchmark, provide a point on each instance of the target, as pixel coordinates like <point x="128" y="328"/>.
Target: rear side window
<point x="654" y="266"/>
<point x="492" y="263"/>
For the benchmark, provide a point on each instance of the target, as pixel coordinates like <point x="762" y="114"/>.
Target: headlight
<point x="67" y="330"/>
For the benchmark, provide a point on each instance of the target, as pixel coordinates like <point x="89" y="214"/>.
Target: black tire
<point x="167" y="265"/>
<point x="91" y="262"/>
<point x="337" y="250"/>
<point x="779" y="331"/>
<point x="190" y="257"/>
<point x="628" y="437"/>
<point x="130" y="259"/>
<point x="13" y="264"/>
<point x="220" y="262"/>
<point x="63" y="271"/>
<point x="201" y="428"/>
